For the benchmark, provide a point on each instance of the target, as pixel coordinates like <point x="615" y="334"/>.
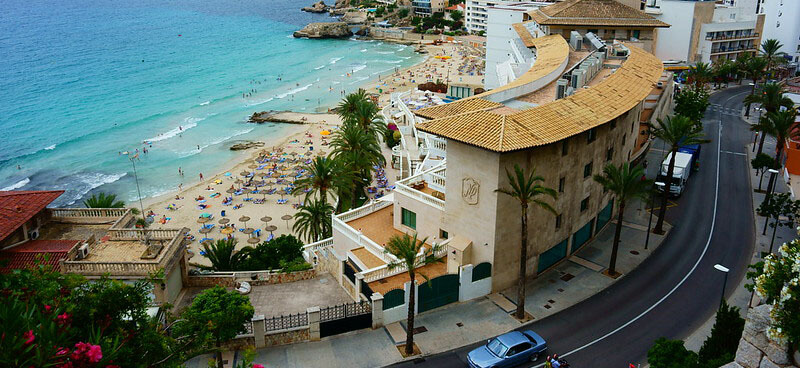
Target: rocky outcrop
<point x="341" y="4"/>
<point x="354" y="17"/>
<point x="756" y="350"/>
<point x="325" y="30"/>
<point x="318" y="7"/>
<point x="246" y="145"/>
<point x="362" y="31"/>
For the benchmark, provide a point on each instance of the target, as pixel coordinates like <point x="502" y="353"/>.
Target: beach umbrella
<point x="283" y="192"/>
<point x="263" y="174"/>
<point x="253" y="240"/>
<point x="244" y="219"/>
<point x="325" y="132"/>
<point x="249" y="230"/>
<point x="203" y="220"/>
<point x="230" y="191"/>
<point x="286" y="218"/>
<point x="244" y="173"/>
<point x="276" y="175"/>
<point x="207" y="242"/>
<point x="227" y="230"/>
<point x="271" y="228"/>
<point x="252" y="166"/>
<point x="204" y="230"/>
<point x="322" y="153"/>
<point x="224" y="221"/>
<point x="309" y="153"/>
<point x="266" y="219"/>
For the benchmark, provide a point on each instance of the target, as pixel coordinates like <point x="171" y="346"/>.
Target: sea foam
<point x="17" y="185"/>
<point x="189" y="123"/>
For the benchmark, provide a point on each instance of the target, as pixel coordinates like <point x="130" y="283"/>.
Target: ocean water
<point x="83" y="80"/>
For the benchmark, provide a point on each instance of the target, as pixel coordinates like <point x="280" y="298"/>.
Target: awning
<point x="459" y="243"/>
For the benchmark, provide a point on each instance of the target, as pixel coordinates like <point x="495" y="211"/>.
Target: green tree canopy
<point x="692" y="103"/>
<point x="103" y="200"/>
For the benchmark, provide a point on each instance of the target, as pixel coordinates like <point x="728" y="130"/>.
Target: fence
<point x="88" y="215"/>
<point x="344" y="310"/>
<point x="286" y="322"/>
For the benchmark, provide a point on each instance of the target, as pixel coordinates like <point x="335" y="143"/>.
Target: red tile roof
<point x="19" y="206"/>
<point x="46" y="252"/>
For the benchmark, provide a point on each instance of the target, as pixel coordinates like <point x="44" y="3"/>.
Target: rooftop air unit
<point x="83" y="251"/>
<point x="570" y="91"/>
<point x="561" y="88"/>
<point x="578" y="78"/>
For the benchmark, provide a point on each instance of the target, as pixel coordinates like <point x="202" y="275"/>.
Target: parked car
<point x="508" y="350"/>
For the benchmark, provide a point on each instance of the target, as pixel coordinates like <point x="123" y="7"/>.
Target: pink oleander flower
<point x="86" y="351"/>
<point x="258" y="366"/>
<point x="62" y="319"/>
<point x="62" y="351"/>
<point x="29" y="337"/>
<point x="47" y="308"/>
<point x="95" y="353"/>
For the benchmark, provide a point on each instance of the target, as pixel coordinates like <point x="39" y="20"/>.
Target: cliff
<point x="325" y="30"/>
<point x="318" y="7"/>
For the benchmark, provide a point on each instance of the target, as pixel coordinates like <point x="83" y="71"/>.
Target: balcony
<point x="427" y="187"/>
<point x="727" y="50"/>
<point x="731" y="38"/>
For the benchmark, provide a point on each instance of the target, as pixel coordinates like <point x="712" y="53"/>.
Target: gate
<point x="344" y="318"/>
<point x="440" y="291"/>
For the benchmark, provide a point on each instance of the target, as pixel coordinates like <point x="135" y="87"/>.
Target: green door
<point x="582" y="235"/>
<point x="440" y="291"/>
<point x="604" y="216"/>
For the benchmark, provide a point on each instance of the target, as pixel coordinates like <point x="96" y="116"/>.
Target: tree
<point x="323" y="174"/>
<point x="284" y="252"/>
<point x="402" y="13"/>
<point x="722" y="69"/>
<point x="456" y="15"/>
<point x="670" y="354"/>
<point x="359" y="151"/>
<point x="771" y="99"/>
<point x="103" y="200"/>
<point x="411" y="254"/>
<point x="755" y="69"/>
<point x="761" y="163"/>
<point x="721" y="345"/>
<point x="771" y="51"/>
<point x="527" y="190"/>
<point x="778" y="206"/>
<point x="347" y="107"/>
<point x="676" y="131"/>
<point x="740" y="66"/>
<point x="626" y="183"/>
<point x="223" y="255"/>
<point x="692" y="104"/>
<point x="313" y="220"/>
<point x="699" y="75"/>
<point x="366" y="115"/>
<point x="782" y="125"/>
<point x="218" y="315"/>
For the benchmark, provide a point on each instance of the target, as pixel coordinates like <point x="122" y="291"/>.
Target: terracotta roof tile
<point x="34" y="252"/>
<point x="554" y="121"/>
<point x="17" y="207"/>
<point x="594" y="13"/>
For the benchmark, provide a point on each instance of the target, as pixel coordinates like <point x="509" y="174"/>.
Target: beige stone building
<point x="569" y="115"/>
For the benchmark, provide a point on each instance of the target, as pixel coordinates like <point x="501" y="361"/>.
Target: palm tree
<point x="359" y="151"/>
<point x="756" y="67"/>
<point x="770" y="49"/>
<point x="676" y="131"/>
<point x="526" y="190"/>
<point x="700" y="75"/>
<point x="782" y="126"/>
<point x="350" y="103"/>
<point x="722" y="69"/>
<point x="313" y="220"/>
<point x="102" y="200"/>
<point x="626" y="183"/>
<point x="223" y="255"/>
<point x="324" y="174"/>
<point x="741" y="64"/>
<point x="367" y="115"/>
<point x="411" y="254"/>
<point x="771" y="99"/>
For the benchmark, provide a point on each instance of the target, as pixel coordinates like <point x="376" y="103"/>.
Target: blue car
<point x="508" y="350"/>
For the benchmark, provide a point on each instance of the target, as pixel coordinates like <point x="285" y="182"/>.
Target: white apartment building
<point x="476" y="18"/>
<point x="706" y="30"/>
<point x="506" y="57"/>
<point x="781" y="23"/>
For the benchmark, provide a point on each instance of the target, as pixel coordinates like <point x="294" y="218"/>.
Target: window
<point x="558" y="221"/>
<point x="593" y="31"/>
<point x="443" y="234"/>
<point x="561" y="183"/>
<point x="585" y="204"/>
<point x="409" y="218"/>
<point x="636" y="33"/>
<point x="613" y="123"/>
<point x="633" y="123"/>
<point x="564" y="147"/>
<point x="610" y="154"/>
<point x="518" y="349"/>
<point x="587" y="170"/>
<point x="591" y="135"/>
<point x="624" y="138"/>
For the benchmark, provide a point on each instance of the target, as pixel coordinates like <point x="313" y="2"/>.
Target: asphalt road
<point x="675" y="290"/>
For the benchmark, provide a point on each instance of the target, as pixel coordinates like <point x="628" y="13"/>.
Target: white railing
<point x="437" y="180"/>
<point x="142" y="234"/>
<point x="362" y="211"/>
<point x="360" y="240"/>
<point x="383" y="271"/>
<point x="437" y="146"/>
<point x="310" y="249"/>
<point x="87" y="212"/>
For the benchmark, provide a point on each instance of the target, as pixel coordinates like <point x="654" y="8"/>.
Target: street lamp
<point x="770" y="189"/>
<point x="724" y="269"/>
<point x="139" y="191"/>
<point x="652" y="203"/>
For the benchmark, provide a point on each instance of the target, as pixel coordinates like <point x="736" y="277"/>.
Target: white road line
<point x="705" y="250"/>
<point x="734" y="153"/>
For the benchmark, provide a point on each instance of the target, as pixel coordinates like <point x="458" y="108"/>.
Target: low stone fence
<point x="229" y="279"/>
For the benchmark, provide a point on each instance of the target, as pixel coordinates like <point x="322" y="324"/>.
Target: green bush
<point x="670" y="354"/>
<point x="272" y="254"/>
<point x="403" y="13"/>
<point x="721" y="346"/>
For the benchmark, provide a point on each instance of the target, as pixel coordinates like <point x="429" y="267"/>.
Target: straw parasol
<point x="249" y="230"/>
<point x="204" y="230"/>
<point x="230" y="191"/>
<point x="263" y="174"/>
<point x="253" y="166"/>
<point x="224" y="221"/>
<point x="207" y="242"/>
<point x="253" y="240"/>
<point x="203" y="220"/>
<point x="321" y="153"/>
<point x="227" y="230"/>
<point x="271" y="228"/>
<point x="266" y="219"/>
<point x="276" y="175"/>
<point x="283" y="192"/>
<point x="244" y="219"/>
<point x="244" y="173"/>
<point x="286" y="218"/>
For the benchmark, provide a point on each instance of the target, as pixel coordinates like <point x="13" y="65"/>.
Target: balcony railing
<point x="722" y="50"/>
<point x="723" y="37"/>
<point x="383" y="271"/>
<point x="437" y="181"/>
<point x="87" y="215"/>
<point x="340" y="225"/>
<point x="142" y="234"/>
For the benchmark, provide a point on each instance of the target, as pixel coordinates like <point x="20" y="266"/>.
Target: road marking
<point x="680" y="283"/>
<point x="670" y="204"/>
<point x="734" y="153"/>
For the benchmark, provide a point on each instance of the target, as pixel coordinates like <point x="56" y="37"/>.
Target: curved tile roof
<point x="557" y="120"/>
<point x="594" y="13"/>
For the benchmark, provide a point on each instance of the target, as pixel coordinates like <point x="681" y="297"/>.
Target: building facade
<point x="781" y="23"/>
<point x="425" y="8"/>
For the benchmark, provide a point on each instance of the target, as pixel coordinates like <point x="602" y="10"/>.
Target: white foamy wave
<point x="363" y="50"/>
<point x="215" y="142"/>
<point x="205" y="103"/>
<point x="291" y="92"/>
<point x="334" y="60"/>
<point x="405" y="57"/>
<point x="17" y="185"/>
<point x="385" y="52"/>
<point x="359" y="68"/>
<point x="382" y="71"/>
<point x="93" y="180"/>
<point x="319" y="67"/>
<point x="50" y="147"/>
<point x="359" y="79"/>
<point x="259" y="102"/>
<point x="336" y="82"/>
<point x="402" y="47"/>
<point x="188" y="124"/>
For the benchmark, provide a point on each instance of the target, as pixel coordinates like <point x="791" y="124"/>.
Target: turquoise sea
<point x="83" y="80"/>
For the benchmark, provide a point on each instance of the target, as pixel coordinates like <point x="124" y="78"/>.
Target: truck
<point x="684" y="162"/>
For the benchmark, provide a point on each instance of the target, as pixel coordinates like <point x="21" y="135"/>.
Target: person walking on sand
<point x="201" y="176"/>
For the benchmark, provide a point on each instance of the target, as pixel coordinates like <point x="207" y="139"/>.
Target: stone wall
<point x="210" y="280"/>
<point x="264" y="278"/>
<point x="240" y="343"/>
<point x="287" y="337"/>
<point x="756" y="350"/>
